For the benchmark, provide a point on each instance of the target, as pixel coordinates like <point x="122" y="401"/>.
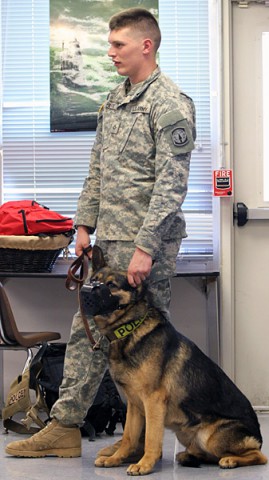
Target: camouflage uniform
<point x="133" y="195"/>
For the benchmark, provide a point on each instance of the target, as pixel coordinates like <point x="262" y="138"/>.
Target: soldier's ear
<point x="98" y="260"/>
<point x="148" y="46"/>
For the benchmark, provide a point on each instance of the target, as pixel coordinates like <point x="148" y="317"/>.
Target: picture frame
<point x="81" y="73"/>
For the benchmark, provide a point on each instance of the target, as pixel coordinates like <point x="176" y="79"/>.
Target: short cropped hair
<point x="141" y="19"/>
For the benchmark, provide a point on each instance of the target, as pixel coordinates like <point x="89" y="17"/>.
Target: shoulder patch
<point x="170" y="118"/>
<point x="179" y="137"/>
<point x="175" y="128"/>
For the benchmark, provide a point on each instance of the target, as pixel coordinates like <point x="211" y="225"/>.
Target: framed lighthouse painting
<point x="81" y="73"/>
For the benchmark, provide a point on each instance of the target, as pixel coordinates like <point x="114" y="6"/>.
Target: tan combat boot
<point x="55" y="440"/>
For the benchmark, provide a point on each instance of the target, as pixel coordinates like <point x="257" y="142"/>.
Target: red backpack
<point x="27" y="217"/>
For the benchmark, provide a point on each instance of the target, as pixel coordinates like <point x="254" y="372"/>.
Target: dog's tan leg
<point x="132" y="430"/>
<point x="155" y="409"/>
<point x="253" y="457"/>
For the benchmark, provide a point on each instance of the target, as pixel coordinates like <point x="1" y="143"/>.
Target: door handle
<point x="241" y="214"/>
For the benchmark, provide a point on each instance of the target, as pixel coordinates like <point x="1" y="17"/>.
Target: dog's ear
<point x="98" y="260"/>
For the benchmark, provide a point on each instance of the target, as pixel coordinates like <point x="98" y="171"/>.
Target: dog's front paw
<point x="107" y="462"/>
<point x="228" y="462"/>
<point x="110" y="450"/>
<point x="139" y="469"/>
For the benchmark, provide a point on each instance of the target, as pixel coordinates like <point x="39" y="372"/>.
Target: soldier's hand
<point x="83" y="240"/>
<point x="139" y="267"/>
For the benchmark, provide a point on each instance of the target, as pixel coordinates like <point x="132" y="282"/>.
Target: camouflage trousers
<point x="84" y="367"/>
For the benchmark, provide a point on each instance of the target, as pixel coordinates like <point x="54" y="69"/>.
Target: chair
<point x="13" y="339"/>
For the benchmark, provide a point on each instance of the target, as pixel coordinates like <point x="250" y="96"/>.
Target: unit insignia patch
<point x="179" y="137"/>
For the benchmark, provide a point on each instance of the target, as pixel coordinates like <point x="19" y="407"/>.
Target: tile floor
<point x="83" y="468"/>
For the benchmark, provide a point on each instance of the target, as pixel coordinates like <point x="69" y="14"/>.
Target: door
<point x="251" y="241"/>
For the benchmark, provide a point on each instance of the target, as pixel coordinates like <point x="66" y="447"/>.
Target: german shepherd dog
<point x="168" y="382"/>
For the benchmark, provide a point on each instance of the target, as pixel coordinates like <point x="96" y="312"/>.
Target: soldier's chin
<point x="122" y="72"/>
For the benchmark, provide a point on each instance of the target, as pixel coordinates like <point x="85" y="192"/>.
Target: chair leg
<point x="28" y="359"/>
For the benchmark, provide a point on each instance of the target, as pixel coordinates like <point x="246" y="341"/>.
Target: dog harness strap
<point x="14" y="426"/>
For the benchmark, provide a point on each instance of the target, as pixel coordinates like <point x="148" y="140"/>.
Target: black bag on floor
<point x="47" y="369"/>
<point x="107" y="409"/>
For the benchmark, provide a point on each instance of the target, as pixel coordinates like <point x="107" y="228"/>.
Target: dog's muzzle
<point x="97" y="299"/>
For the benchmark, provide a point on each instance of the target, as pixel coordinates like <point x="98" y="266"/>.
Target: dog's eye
<point x="111" y="285"/>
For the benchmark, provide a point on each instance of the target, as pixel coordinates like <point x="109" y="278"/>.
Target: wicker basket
<point x="31" y="254"/>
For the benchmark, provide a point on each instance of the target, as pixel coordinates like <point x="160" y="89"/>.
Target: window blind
<point x="51" y="167"/>
<point x="184" y="56"/>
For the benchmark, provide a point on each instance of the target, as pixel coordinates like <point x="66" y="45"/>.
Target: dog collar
<point x="126" y="329"/>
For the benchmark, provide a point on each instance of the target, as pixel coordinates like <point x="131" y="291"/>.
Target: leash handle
<point x="78" y="270"/>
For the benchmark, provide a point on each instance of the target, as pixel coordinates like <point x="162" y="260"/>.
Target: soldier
<point x="132" y="199"/>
